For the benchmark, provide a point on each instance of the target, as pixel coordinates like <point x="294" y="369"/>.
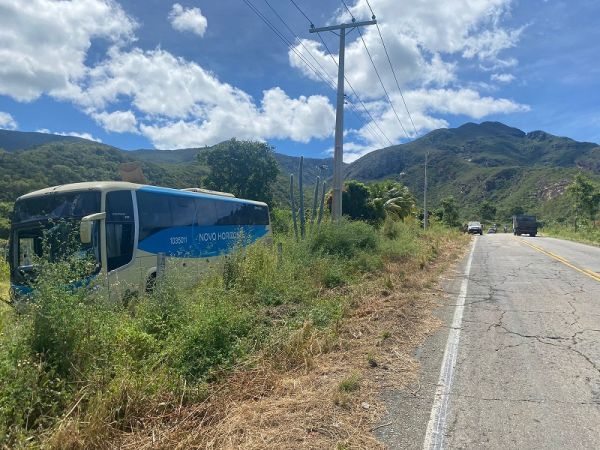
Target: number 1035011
<point x="178" y="240"/>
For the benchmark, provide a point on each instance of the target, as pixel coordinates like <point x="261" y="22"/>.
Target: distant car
<point x="474" y="228"/>
<point x="492" y="230"/>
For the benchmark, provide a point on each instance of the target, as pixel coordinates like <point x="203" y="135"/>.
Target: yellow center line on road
<point x="567" y="263"/>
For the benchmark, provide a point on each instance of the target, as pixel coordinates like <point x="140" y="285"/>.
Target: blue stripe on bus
<point x="201" y="242"/>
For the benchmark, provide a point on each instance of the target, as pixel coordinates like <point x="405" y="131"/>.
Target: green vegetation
<point x="473" y="163"/>
<point x="371" y="202"/>
<point x="4" y="284"/>
<point x="358" y="204"/>
<point x="245" y="168"/>
<point x="584" y="196"/>
<point x="76" y="367"/>
<point x="584" y="234"/>
<point x="487" y="161"/>
<point x="448" y="212"/>
<point x="350" y="383"/>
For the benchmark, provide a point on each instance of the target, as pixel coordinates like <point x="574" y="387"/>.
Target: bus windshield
<point x="48" y="227"/>
<point x="57" y="206"/>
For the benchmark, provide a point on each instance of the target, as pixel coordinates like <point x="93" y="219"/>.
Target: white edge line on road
<point x="434" y="437"/>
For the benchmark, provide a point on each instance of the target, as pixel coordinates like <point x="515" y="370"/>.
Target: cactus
<point x="322" y="204"/>
<point x="314" y="206"/>
<point x="301" y="188"/>
<point x="293" y="205"/>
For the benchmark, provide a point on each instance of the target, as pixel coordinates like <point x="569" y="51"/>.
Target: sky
<point x="166" y="75"/>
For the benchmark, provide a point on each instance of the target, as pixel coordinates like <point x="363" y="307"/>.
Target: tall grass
<point x="588" y="234"/>
<point x="3" y="271"/>
<point x="76" y="366"/>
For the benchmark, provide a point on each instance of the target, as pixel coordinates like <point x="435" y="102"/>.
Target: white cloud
<point x="188" y="19"/>
<point x="354" y="150"/>
<point x="462" y="102"/>
<point x="487" y="45"/>
<point x="279" y="116"/>
<point x="43" y="43"/>
<point x="177" y="103"/>
<point x="83" y="135"/>
<point x="429" y="43"/>
<point x="7" y="121"/>
<point x="117" y="121"/>
<point x="440" y="26"/>
<point x="168" y="86"/>
<point x="502" y="77"/>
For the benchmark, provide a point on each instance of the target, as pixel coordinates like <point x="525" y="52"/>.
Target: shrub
<point x="281" y="221"/>
<point x="345" y="239"/>
<point x="212" y="337"/>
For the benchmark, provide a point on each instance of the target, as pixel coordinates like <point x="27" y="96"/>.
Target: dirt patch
<point x="318" y="390"/>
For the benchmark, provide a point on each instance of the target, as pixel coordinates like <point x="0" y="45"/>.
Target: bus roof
<point x="123" y="185"/>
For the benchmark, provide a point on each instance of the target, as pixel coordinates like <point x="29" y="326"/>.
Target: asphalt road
<point x="518" y="364"/>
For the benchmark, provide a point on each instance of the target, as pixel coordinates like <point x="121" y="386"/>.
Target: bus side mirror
<point x="86" y="226"/>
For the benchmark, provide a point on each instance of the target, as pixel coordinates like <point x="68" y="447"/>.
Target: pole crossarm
<point x="342" y="26"/>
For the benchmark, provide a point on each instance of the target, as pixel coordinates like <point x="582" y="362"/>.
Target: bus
<point x="130" y="231"/>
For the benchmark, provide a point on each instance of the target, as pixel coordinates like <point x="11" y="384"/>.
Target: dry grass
<point x="290" y="396"/>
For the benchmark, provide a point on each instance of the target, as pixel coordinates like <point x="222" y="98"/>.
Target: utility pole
<point x="338" y="154"/>
<point x="425" y="212"/>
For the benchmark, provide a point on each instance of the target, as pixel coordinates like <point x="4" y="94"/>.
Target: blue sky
<point x="164" y="74"/>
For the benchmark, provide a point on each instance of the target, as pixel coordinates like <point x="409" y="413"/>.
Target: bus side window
<point x="120" y="229"/>
<point x="228" y="213"/>
<point x="254" y="215"/>
<point x="155" y="213"/>
<point x="205" y="212"/>
<point x="183" y="210"/>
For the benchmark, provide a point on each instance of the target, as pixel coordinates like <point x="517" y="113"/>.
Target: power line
<point x="287" y="42"/>
<point x="382" y="85"/>
<point x="393" y="71"/>
<point x="354" y="91"/>
<point x="348" y="9"/>
<point x="299" y="41"/>
<point x="373" y="121"/>
<point x="301" y="12"/>
<point x="375" y="68"/>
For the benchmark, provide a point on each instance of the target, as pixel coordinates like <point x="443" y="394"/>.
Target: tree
<point x="357" y="203"/>
<point x="247" y="169"/>
<point x="395" y="198"/>
<point x="449" y="210"/>
<point x="5" y="210"/>
<point x="585" y="195"/>
<point x="487" y="210"/>
<point x="516" y="210"/>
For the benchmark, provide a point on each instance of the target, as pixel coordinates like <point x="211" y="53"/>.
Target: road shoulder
<point x="409" y="407"/>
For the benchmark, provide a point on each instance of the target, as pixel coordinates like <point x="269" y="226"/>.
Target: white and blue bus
<point x="128" y="229"/>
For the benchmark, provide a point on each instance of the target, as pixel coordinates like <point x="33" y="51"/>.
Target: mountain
<point x="474" y="162"/>
<point x="487" y="161"/>
<point x="18" y="140"/>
